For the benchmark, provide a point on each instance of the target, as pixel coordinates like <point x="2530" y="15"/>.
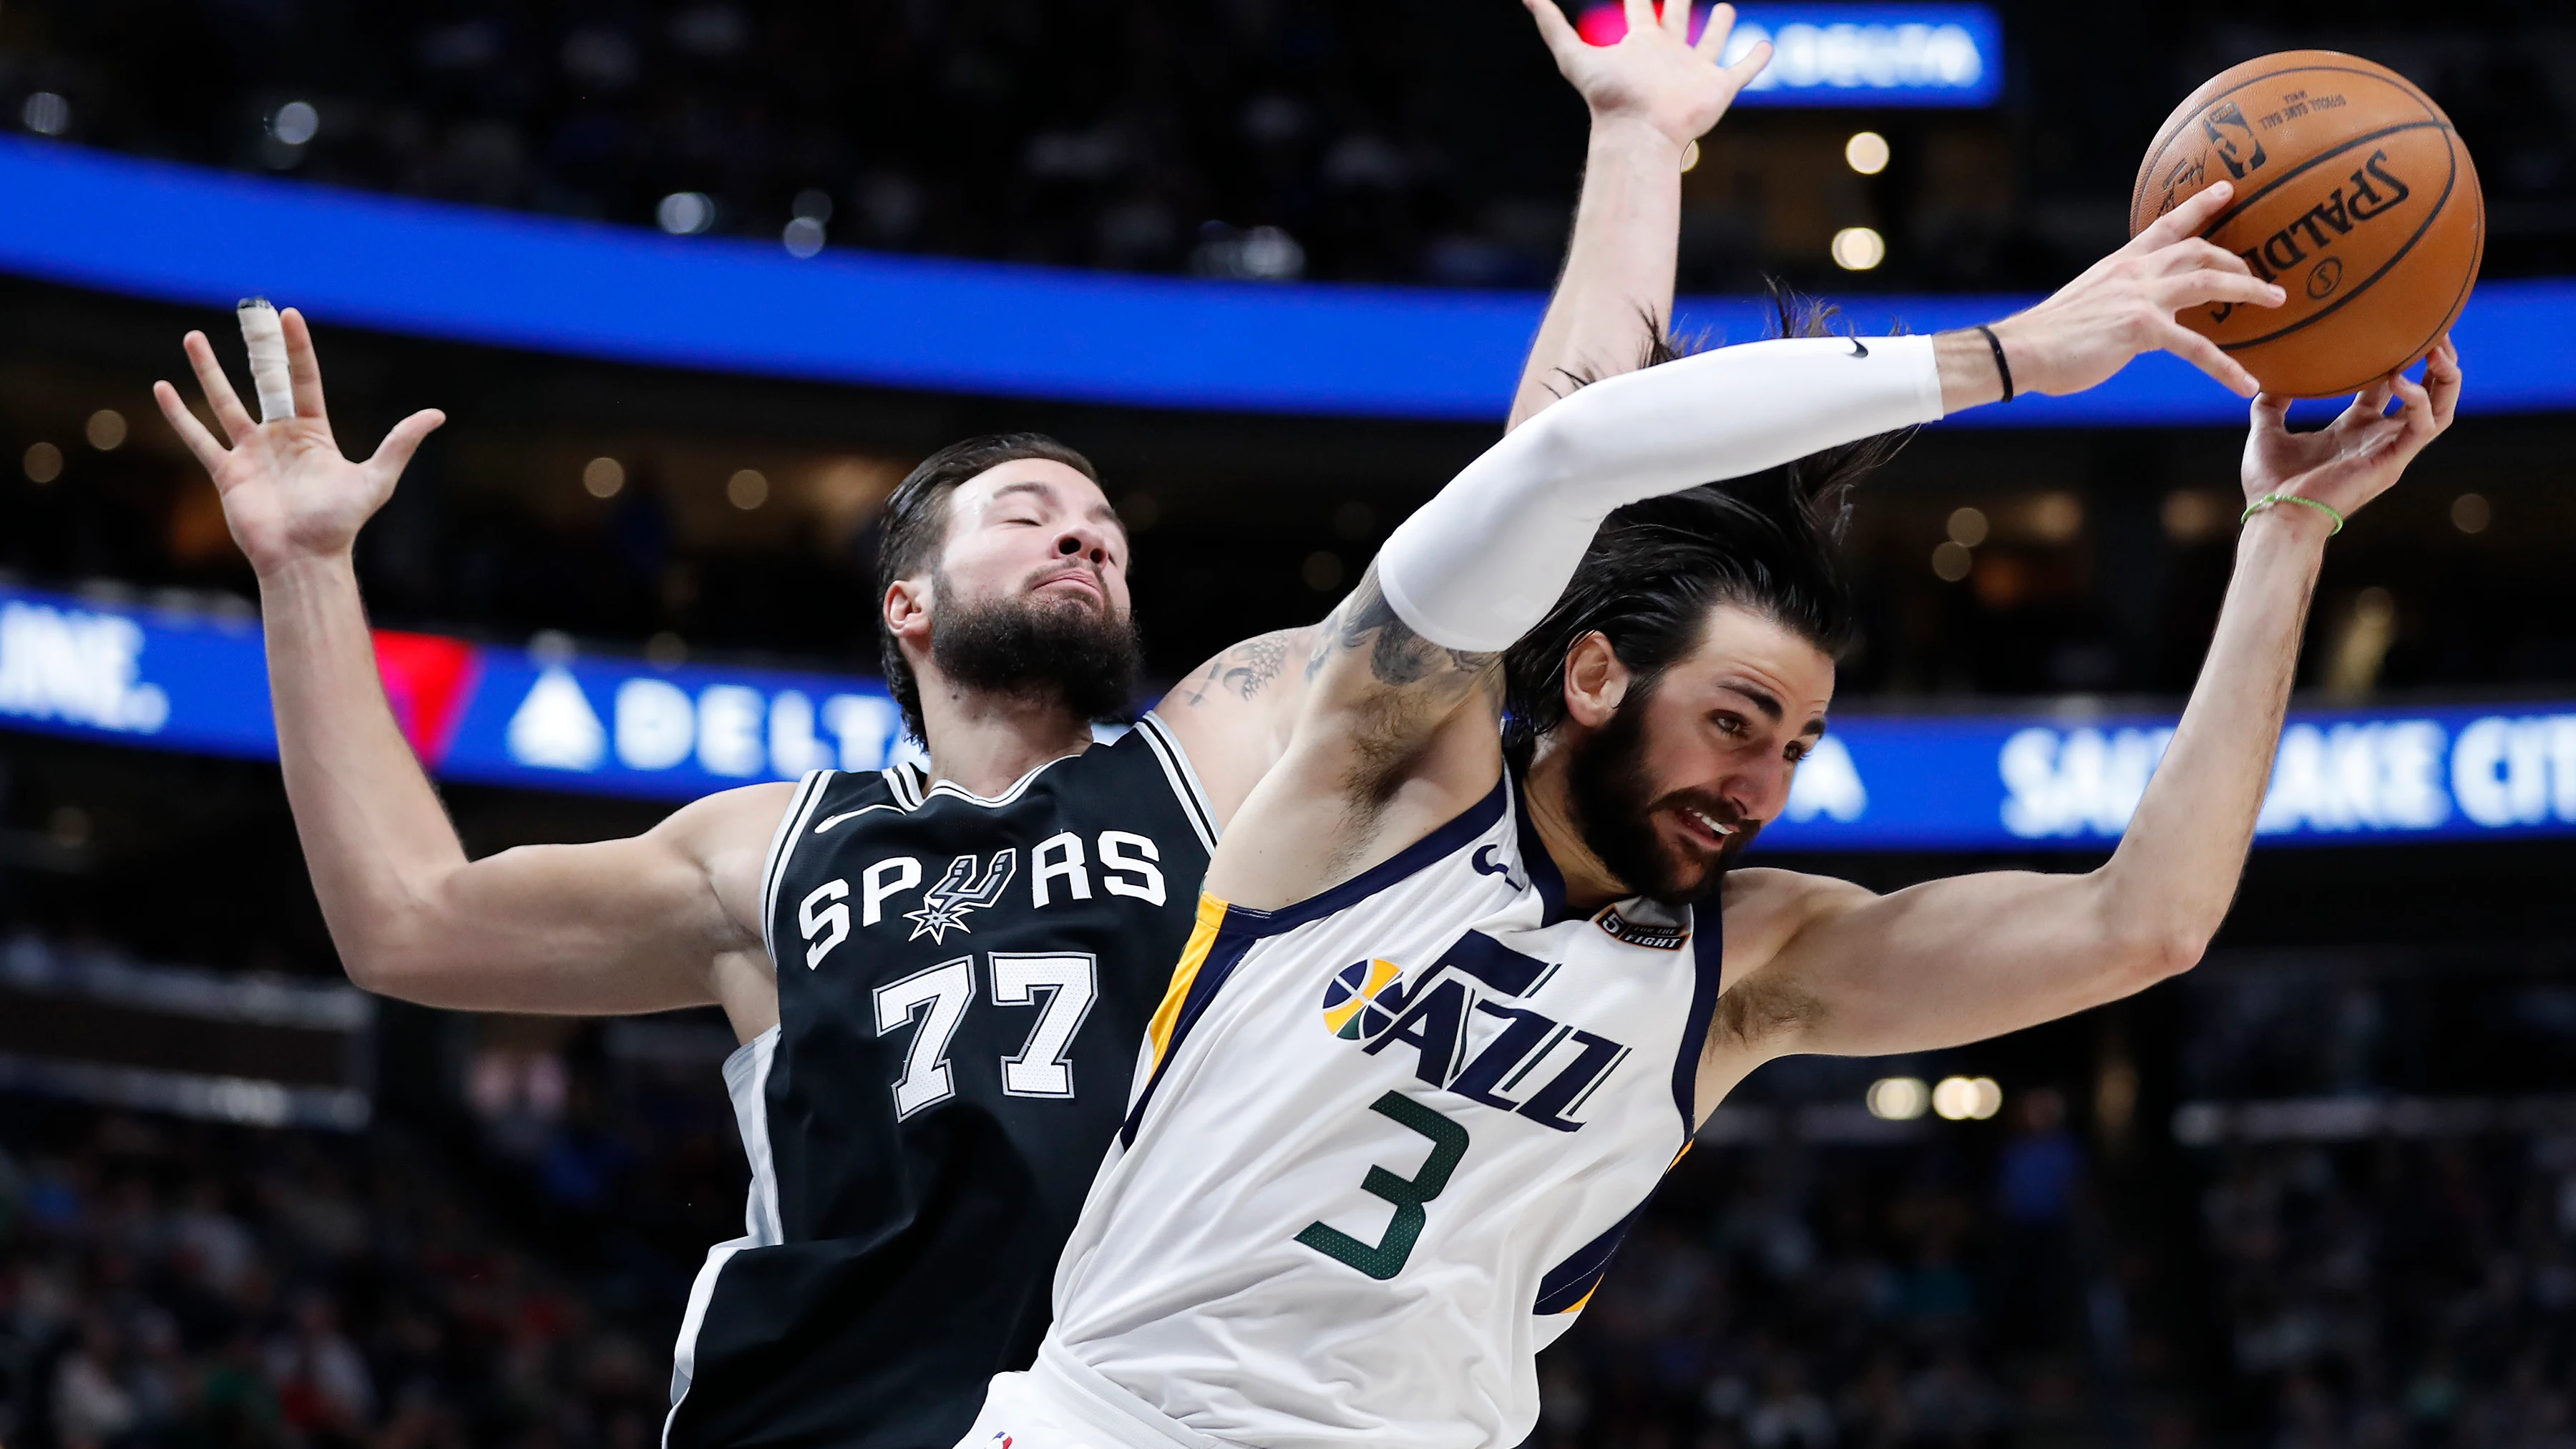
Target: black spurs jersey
<point x="962" y="986"/>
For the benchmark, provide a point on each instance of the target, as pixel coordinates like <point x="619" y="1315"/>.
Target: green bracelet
<point x="2268" y="499"/>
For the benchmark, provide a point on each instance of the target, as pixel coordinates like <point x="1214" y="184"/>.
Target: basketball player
<point x="970" y="951"/>
<point x="1471" y="965"/>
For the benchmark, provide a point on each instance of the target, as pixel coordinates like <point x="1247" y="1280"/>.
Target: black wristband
<point x="1996" y="346"/>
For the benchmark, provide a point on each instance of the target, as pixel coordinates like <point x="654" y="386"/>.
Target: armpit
<point x="1755" y="1013"/>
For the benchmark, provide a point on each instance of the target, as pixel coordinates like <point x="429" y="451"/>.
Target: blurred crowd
<point x="1941" y="1291"/>
<point x="2400" y="1294"/>
<point x="1274" y="139"/>
<point x="165" y="1283"/>
<point x="1254" y="138"/>
<point x="172" y="1284"/>
<point x="502" y="1263"/>
<point x="2393" y="1292"/>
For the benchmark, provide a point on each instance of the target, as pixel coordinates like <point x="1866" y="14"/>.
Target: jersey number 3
<point x="1385" y="1258"/>
<point x="937" y="999"/>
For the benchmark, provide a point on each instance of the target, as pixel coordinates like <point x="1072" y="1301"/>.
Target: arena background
<point x="2321" y="1191"/>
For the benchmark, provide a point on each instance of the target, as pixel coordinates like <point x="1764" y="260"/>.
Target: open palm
<point x="288" y="494"/>
<point x="2354" y="459"/>
<point x="1654" y="74"/>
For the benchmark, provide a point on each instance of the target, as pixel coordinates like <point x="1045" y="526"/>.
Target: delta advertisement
<point x="135" y="675"/>
<point x="129" y="673"/>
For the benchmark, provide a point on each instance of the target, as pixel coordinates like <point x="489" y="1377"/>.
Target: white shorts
<point x="1063" y="1403"/>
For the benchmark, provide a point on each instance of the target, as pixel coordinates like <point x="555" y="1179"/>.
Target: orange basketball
<point x="2352" y="192"/>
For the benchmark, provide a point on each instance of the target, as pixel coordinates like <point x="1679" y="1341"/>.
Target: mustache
<point x="1050" y="572"/>
<point x="1716" y="807"/>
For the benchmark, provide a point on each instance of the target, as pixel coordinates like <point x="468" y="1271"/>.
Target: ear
<point x="907" y="612"/>
<point x="1595" y="681"/>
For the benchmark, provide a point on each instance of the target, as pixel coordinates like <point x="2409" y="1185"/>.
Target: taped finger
<point x="266" y="340"/>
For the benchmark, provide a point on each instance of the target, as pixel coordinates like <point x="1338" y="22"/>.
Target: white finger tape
<point x="267" y="343"/>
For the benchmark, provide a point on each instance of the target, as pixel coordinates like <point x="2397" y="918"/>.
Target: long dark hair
<point x="1770" y="542"/>
<point x="914" y="524"/>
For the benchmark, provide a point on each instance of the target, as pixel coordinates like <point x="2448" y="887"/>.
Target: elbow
<point x="2147" y="936"/>
<point x="377" y="969"/>
<point x="2172" y="954"/>
<point x="2146" y="952"/>
<point x="386" y="958"/>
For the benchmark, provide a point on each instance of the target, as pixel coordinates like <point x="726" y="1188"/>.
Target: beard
<point x="1615" y="807"/>
<point x="1029" y="648"/>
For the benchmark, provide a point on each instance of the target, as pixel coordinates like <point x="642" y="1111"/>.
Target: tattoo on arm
<point x="1412" y="685"/>
<point x="1243" y="670"/>
<point x="1398" y="657"/>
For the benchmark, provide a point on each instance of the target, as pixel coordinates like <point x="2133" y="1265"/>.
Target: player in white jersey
<point x="1457" y="995"/>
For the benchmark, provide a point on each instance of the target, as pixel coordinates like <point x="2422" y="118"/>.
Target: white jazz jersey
<point x="1383" y="1147"/>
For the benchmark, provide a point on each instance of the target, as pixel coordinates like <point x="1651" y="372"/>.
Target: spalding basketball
<point x="2352" y="192"/>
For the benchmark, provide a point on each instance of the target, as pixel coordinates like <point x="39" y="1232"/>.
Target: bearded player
<point x="940" y="976"/>
<point x="1471" y="966"/>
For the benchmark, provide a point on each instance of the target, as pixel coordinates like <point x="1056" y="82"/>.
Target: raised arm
<point x="1395" y="729"/>
<point x="667" y="919"/>
<point x="1832" y="968"/>
<point x="1652" y="96"/>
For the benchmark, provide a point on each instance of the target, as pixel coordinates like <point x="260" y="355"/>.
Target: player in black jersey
<point x="940" y="976"/>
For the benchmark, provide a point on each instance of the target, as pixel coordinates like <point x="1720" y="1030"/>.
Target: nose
<point x="1758" y="791"/>
<point x="1083" y="541"/>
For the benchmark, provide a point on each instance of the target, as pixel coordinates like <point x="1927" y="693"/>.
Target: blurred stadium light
<point x="95" y="1027"/>
<point x="209" y="238"/>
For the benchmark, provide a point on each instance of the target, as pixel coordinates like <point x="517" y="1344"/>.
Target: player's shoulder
<point x="1145" y="766"/>
<point x="1758" y="888"/>
<point x="754" y="817"/>
<point x="746" y="814"/>
<point x="1762" y="908"/>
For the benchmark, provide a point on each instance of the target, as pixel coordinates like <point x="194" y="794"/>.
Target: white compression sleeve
<point x="1475" y="567"/>
<point x="266" y="339"/>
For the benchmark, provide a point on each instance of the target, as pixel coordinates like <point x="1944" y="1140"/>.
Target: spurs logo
<point x="944" y="906"/>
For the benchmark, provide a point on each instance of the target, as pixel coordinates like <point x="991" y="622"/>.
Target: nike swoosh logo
<point x="831" y="820"/>
<point x="1858" y="350"/>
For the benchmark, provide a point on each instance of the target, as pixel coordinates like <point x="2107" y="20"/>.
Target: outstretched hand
<point x="1654" y="74"/>
<point x="288" y="494"/>
<point x="2125" y="303"/>
<point x="2354" y="459"/>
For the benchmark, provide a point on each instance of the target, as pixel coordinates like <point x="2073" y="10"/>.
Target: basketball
<point x="2352" y="192"/>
